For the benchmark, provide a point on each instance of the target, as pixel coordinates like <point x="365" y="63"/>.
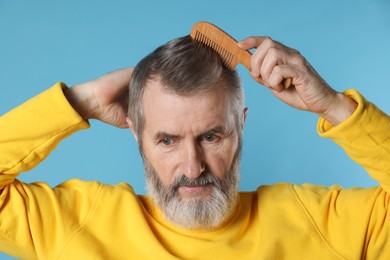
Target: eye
<point x="210" y="137"/>
<point x="166" y="141"/>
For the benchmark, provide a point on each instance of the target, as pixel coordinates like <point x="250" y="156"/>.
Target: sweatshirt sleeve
<point x="355" y="222"/>
<point x="31" y="213"/>
<point x="32" y="130"/>
<point x="365" y="137"/>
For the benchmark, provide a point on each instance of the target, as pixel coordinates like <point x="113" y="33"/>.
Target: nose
<point x="192" y="160"/>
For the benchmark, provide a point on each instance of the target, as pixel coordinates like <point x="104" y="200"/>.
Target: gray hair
<point x="185" y="67"/>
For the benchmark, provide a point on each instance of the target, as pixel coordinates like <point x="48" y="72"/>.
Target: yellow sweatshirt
<point x="91" y="220"/>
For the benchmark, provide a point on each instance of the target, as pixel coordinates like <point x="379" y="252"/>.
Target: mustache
<point x="204" y="179"/>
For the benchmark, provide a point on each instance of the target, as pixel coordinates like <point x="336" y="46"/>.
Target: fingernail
<point x="279" y="89"/>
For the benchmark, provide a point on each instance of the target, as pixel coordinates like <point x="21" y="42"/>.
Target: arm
<point x="352" y="222"/>
<point x="28" y="134"/>
<point x="274" y="62"/>
<point x="365" y="137"/>
<point x="31" y="131"/>
<point x="30" y="213"/>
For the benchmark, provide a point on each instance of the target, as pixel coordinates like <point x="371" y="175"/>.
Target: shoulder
<point x="94" y="188"/>
<point x="313" y="195"/>
<point x="82" y="191"/>
<point x="270" y="196"/>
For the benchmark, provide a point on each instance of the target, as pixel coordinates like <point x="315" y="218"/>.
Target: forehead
<point x="173" y="112"/>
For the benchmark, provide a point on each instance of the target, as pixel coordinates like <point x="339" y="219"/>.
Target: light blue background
<point x="348" y="42"/>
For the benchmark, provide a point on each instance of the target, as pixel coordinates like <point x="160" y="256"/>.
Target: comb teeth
<point x="226" y="46"/>
<point x="227" y="56"/>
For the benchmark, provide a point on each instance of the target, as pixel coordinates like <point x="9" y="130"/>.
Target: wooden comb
<point x="226" y="47"/>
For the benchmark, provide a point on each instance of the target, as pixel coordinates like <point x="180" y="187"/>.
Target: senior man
<point x="186" y="111"/>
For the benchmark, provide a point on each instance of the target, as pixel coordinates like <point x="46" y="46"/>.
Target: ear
<point x="130" y="124"/>
<point x="244" y="114"/>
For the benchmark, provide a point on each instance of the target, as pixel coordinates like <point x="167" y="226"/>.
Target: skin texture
<point x="104" y="98"/>
<point x="273" y="62"/>
<point x="188" y="135"/>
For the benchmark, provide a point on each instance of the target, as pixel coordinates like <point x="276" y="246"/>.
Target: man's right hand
<point x="104" y="98"/>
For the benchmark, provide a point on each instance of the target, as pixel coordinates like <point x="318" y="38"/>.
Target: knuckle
<point x="300" y="60"/>
<point x="255" y="54"/>
<point x="252" y="39"/>
<point x="255" y="39"/>
<point x="295" y="51"/>
<point x="277" y="69"/>
<point x="268" y="41"/>
<point x="273" y="51"/>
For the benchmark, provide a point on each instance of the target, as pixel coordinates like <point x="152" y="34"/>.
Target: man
<point x="186" y="112"/>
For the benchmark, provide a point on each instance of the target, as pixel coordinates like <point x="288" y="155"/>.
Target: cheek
<point x="166" y="169"/>
<point x="164" y="164"/>
<point x="219" y="161"/>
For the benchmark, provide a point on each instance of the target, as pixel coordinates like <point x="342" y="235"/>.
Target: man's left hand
<point x="273" y="62"/>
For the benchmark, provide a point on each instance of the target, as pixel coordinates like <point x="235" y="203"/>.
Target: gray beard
<point x="201" y="214"/>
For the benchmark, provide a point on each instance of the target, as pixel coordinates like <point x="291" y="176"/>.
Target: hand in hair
<point x="104" y="98"/>
<point x="273" y="62"/>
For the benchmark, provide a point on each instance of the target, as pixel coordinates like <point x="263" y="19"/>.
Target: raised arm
<point x="353" y="222"/>
<point x="357" y="125"/>
<point x="29" y="132"/>
<point x="30" y="213"/>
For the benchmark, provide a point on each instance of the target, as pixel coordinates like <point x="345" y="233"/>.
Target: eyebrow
<point x="161" y="135"/>
<point x="217" y="129"/>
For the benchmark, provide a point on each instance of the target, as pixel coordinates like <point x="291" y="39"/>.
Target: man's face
<point x="190" y="147"/>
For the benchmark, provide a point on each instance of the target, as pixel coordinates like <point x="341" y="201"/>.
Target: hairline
<point x="221" y="82"/>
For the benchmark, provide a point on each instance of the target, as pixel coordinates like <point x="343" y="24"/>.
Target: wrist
<point x="81" y="99"/>
<point x="341" y="109"/>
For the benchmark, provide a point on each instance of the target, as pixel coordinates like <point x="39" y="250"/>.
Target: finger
<point x="279" y="73"/>
<point x="290" y="97"/>
<point x="273" y="58"/>
<point x="251" y="42"/>
<point x="269" y="62"/>
<point x="260" y="54"/>
<point x="123" y="76"/>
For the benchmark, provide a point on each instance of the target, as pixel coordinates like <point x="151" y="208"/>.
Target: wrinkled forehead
<point x="162" y="104"/>
<point x="187" y="85"/>
<point x="156" y="89"/>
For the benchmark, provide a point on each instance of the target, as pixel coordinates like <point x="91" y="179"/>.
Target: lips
<point x="195" y="190"/>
